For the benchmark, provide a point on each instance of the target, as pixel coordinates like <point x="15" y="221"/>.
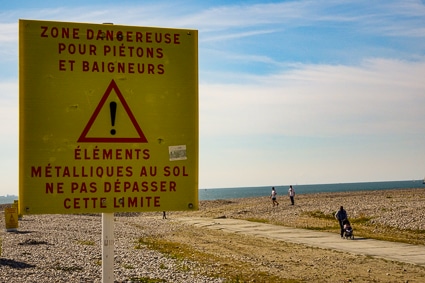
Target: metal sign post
<point x="107" y="247"/>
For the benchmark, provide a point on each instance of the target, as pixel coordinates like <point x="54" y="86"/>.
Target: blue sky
<point x="291" y="92"/>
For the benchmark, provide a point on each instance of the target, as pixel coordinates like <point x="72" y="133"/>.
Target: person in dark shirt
<point x="341" y="215"/>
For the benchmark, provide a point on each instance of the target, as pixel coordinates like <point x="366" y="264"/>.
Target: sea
<point x="246" y="192"/>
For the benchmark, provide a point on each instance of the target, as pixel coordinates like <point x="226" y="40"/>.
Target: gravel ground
<point x="400" y="209"/>
<point x="67" y="248"/>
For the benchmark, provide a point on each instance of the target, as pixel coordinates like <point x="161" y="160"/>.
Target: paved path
<point x="414" y="254"/>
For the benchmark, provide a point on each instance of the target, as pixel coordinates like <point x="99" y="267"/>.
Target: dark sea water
<point x="245" y="192"/>
<point x="7" y="199"/>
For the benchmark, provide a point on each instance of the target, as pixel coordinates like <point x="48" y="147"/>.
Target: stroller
<point x="348" y="230"/>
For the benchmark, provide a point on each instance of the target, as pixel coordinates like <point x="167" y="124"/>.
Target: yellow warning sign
<point x="108" y="118"/>
<point x="11" y="218"/>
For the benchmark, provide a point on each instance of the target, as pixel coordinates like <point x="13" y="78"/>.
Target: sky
<point x="290" y="92"/>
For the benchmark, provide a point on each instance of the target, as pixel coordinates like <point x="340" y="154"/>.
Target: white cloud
<point x="380" y="96"/>
<point x="236" y="35"/>
<point x="9" y="113"/>
<point x="8" y="32"/>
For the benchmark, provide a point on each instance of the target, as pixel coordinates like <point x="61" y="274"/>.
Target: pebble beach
<point x="400" y="209"/>
<point x="67" y="248"/>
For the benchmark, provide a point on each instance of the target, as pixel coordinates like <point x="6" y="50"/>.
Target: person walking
<point x="291" y="193"/>
<point x="341" y="216"/>
<point x="273" y="197"/>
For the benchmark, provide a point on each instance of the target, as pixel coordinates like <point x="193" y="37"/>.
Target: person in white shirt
<point x="291" y="193"/>
<point x="273" y="197"/>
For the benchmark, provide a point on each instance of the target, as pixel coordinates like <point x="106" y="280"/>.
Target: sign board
<point x="11" y="218"/>
<point x="108" y="118"/>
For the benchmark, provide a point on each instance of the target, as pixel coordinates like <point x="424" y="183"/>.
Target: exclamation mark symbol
<point x="113" y="109"/>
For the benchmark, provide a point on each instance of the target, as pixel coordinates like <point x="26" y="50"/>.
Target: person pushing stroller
<point x="341" y="215"/>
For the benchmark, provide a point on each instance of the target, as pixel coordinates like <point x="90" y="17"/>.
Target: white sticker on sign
<point x="177" y="152"/>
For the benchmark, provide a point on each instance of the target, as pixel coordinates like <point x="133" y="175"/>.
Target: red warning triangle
<point x="141" y="137"/>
